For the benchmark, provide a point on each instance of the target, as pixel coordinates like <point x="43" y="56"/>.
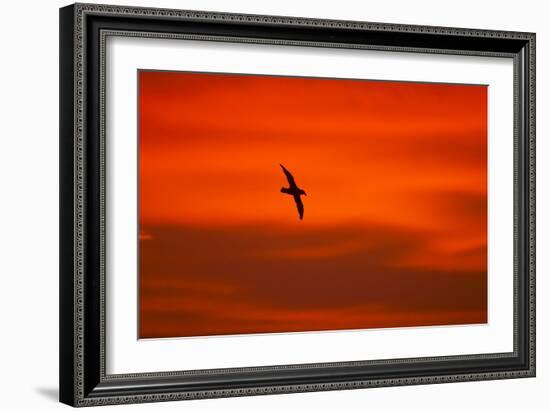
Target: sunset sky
<point x="395" y="225"/>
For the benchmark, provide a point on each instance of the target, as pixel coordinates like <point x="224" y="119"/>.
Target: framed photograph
<point x="261" y="204"/>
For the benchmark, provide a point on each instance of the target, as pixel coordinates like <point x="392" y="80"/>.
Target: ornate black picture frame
<point x="83" y="379"/>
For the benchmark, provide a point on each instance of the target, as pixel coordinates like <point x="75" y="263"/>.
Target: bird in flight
<point x="294" y="191"/>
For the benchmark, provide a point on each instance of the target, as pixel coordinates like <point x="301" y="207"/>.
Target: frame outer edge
<point x="277" y="20"/>
<point x="72" y="135"/>
<point x="532" y="201"/>
<point x="79" y="38"/>
<point x="67" y="331"/>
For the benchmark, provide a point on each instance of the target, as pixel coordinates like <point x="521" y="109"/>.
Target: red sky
<point x="395" y="224"/>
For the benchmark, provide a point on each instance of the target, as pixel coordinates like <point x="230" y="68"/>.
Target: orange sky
<point x="395" y="224"/>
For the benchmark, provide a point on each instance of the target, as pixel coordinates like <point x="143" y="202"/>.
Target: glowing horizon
<point x="395" y="225"/>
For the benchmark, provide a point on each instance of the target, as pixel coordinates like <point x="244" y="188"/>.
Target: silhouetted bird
<point x="294" y="191"/>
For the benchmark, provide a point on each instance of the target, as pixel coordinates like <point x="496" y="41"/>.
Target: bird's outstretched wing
<point x="300" y="206"/>
<point x="289" y="176"/>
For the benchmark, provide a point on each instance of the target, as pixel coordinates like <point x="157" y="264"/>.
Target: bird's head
<point x="303" y="192"/>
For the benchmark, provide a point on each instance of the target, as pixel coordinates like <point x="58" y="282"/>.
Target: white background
<point x="126" y="354"/>
<point x="29" y="205"/>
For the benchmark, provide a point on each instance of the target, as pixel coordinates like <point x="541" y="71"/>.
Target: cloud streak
<point x="270" y="279"/>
